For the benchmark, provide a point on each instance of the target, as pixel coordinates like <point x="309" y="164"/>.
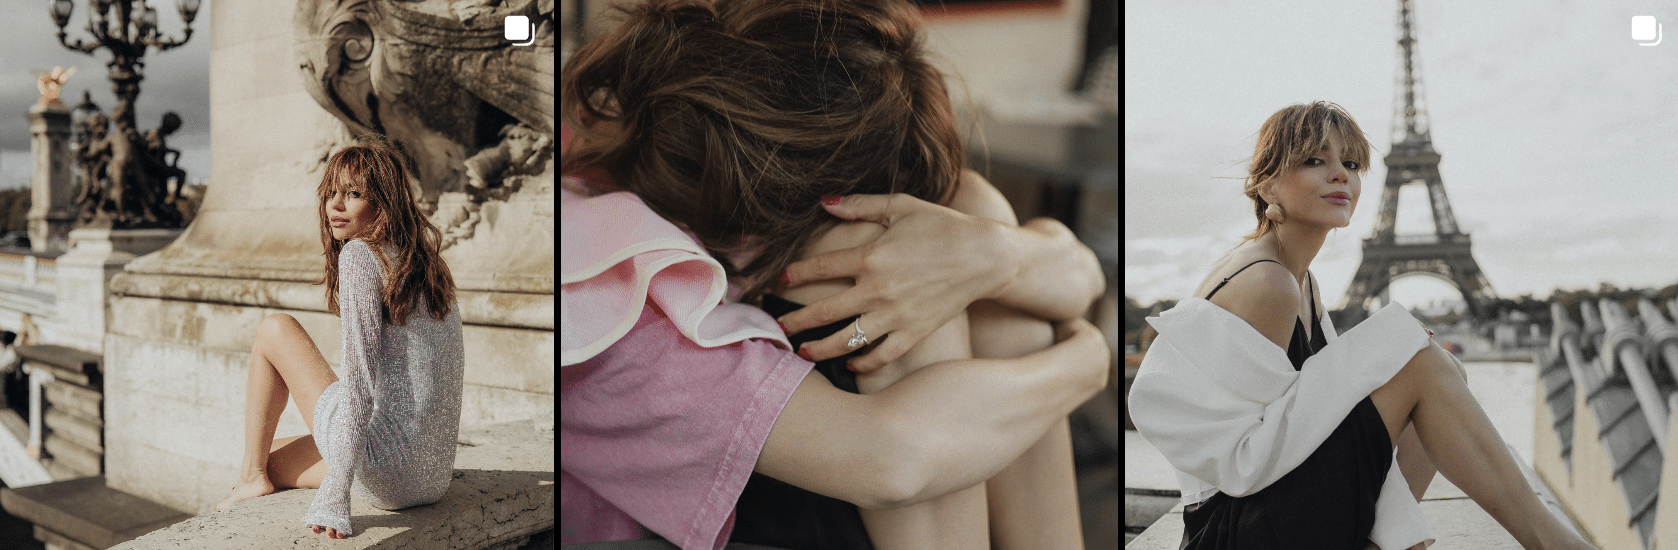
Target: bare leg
<point x="1465" y="446"/>
<point x="284" y="362"/>
<point x="295" y="462"/>
<point x="1413" y="461"/>
<point x="1034" y="501"/>
<point x="956" y="520"/>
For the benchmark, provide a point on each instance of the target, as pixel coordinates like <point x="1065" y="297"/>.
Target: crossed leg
<point x="284" y="363"/>
<point x="1430" y="393"/>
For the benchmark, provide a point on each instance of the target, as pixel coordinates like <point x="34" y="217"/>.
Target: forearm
<point x="958" y="423"/>
<point x="1057" y="275"/>
<point x="956" y="520"/>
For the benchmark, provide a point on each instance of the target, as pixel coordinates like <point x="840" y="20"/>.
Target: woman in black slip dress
<point x="1326" y="502"/>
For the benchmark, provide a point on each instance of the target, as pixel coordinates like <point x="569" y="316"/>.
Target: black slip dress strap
<point x="1306" y="341"/>
<point x="1237" y="272"/>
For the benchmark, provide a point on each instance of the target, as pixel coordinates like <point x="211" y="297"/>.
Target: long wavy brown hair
<point x="380" y="171"/>
<point x="734" y="117"/>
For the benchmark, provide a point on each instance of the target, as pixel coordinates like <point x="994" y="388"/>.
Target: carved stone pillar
<point x="50" y="213"/>
<point x="85" y="273"/>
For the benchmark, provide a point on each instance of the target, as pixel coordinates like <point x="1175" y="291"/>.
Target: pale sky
<point x="1558" y="134"/>
<point x="177" y="80"/>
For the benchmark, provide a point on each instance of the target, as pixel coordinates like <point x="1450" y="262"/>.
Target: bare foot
<point x="247" y="488"/>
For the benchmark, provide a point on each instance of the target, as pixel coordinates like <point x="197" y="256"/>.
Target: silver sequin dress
<point x="388" y="426"/>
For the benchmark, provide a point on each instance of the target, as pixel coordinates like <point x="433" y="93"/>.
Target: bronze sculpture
<point x="123" y="184"/>
<point x="51" y="83"/>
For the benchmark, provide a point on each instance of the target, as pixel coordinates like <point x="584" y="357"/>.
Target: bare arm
<point x="1022" y="399"/>
<point x="954" y="521"/>
<point x="946" y="427"/>
<point x="931" y="263"/>
<point x="1058" y="276"/>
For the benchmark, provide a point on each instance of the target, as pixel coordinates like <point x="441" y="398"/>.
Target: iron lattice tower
<point x="1445" y="252"/>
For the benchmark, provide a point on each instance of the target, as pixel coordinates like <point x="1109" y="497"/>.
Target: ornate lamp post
<point x="134" y="195"/>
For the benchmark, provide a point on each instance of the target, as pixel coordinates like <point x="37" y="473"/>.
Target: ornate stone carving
<point x="439" y="79"/>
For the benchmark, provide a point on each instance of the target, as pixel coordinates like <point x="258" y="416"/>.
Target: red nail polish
<point x="850" y="367"/>
<point x="783" y="327"/>
<point x="805" y="354"/>
<point x="831" y="200"/>
<point x="786" y="278"/>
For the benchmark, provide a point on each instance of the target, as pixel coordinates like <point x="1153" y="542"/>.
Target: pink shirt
<point x="659" y="431"/>
<point x="667" y="389"/>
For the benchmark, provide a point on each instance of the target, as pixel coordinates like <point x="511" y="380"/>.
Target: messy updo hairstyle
<point x="1289" y="137"/>
<point x="379" y="171"/>
<point x="736" y="116"/>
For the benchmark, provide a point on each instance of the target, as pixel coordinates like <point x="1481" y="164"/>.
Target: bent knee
<point x="277" y="321"/>
<point x="1434" y="364"/>
<point x="274" y="328"/>
<point x="1002" y="332"/>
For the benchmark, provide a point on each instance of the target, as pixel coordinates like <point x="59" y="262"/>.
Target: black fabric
<point x="1326" y="502"/>
<point x="776" y="513"/>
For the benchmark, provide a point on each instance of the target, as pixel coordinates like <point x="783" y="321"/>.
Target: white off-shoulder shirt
<point x="1230" y="413"/>
<point x="388" y="427"/>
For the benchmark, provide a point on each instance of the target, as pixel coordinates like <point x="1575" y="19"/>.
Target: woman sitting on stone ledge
<point x="388" y="429"/>
<point x="1282" y="431"/>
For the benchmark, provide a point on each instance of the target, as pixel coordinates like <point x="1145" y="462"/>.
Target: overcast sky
<point x="177" y="80"/>
<point x="1558" y="134"/>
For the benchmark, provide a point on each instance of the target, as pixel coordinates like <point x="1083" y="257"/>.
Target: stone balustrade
<point x="67" y="409"/>
<point x="29" y="271"/>
<point x="1609" y="393"/>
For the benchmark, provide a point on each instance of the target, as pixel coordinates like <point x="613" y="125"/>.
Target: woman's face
<point x="1322" y="190"/>
<point x="348" y="212"/>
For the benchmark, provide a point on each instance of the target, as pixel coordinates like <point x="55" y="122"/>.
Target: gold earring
<point x="1275" y="213"/>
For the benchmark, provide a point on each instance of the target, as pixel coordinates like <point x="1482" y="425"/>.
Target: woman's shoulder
<point x="1264" y="295"/>
<point x="358" y="249"/>
<point x="1242" y="260"/>
<point x="357" y="257"/>
<point x="356" y="244"/>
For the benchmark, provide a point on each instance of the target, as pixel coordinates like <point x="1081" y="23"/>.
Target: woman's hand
<point x="330" y="532"/>
<point x="929" y="265"/>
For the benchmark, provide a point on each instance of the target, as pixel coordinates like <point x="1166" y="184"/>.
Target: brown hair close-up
<point x="736" y="116"/>
<point x="381" y="173"/>
<point x="1287" y="138"/>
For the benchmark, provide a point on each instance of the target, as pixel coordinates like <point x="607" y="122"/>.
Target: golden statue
<point x="51" y="83"/>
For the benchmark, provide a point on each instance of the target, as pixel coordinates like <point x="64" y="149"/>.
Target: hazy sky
<point x="177" y="80"/>
<point x="1558" y="134"/>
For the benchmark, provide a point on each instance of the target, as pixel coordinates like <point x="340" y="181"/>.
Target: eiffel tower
<point x="1443" y="253"/>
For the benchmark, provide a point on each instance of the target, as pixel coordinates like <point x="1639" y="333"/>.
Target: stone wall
<point x="182" y="320"/>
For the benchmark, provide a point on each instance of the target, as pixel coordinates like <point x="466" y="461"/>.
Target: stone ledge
<point x="98" y="515"/>
<point x="1458" y="523"/>
<point x="502" y="492"/>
